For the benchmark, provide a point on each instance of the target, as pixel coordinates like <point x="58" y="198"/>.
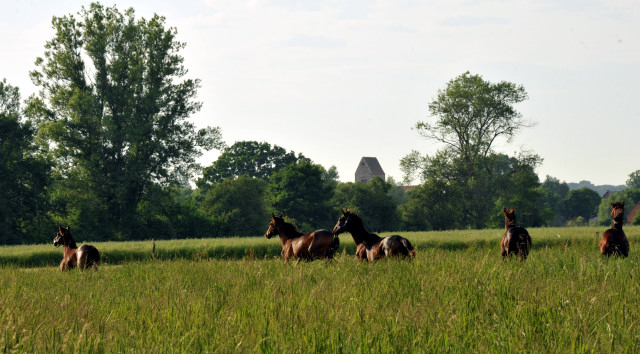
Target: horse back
<point x="614" y="241"/>
<point x="88" y="256"/>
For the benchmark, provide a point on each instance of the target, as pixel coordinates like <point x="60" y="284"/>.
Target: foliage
<point x="581" y="202"/>
<point x="631" y="197"/>
<point x="433" y="206"/>
<point x="113" y="108"/>
<point x="553" y="194"/>
<point x="634" y="179"/>
<point x="248" y="158"/>
<point x="24" y="174"/>
<point x="236" y="207"/>
<point x="372" y="201"/>
<point x="471" y="114"/>
<point x="302" y="193"/>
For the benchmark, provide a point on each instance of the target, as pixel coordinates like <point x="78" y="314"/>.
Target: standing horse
<point x="614" y="241"/>
<point x="371" y="246"/>
<point x="83" y="257"/>
<point x="516" y="239"/>
<point x="318" y="244"/>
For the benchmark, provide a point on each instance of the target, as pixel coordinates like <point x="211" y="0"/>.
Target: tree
<point x="470" y="115"/>
<point x="372" y="201"/>
<point x="634" y="179"/>
<point x="581" y="202"/>
<point x="113" y="107"/>
<point x="553" y="194"/>
<point x="302" y="193"/>
<point x="434" y="205"/>
<point x="248" y="158"/>
<point x="236" y="207"/>
<point x="24" y="174"/>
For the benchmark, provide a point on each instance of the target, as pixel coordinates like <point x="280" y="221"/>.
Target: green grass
<point x="218" y="296"/>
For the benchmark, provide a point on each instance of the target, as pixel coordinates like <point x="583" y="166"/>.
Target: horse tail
<point x="334" y="247"/>
<point x="409" y="248"/>
<point x="523" y="245"/>
<point x="93" y="257"/>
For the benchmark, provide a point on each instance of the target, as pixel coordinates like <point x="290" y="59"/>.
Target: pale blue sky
<point x="338" y="80"/>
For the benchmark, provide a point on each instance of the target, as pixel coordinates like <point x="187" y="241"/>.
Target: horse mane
<point x="290" y="230"/>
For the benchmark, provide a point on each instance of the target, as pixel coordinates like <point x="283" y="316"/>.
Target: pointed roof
<point x="373" y="165"/>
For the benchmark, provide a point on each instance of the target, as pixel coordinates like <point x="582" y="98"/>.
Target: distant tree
<point x="433" y="206"/>
<point x="553" y="194"/>
<point x="301" y="192"/>
<point x="631" y="197"/>
<point x="248" y="158"/>
<point x="24" y="175"/>
<point x="634" y="179"/>
<point x="371" y="201"/>
<point x="581" y="202"/>
<point x="236" y="207"/>
<point x="113" y="107"/>
<point x="518" y="187"/>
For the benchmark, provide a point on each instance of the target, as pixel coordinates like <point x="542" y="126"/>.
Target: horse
<point x="614" y="241"/>
<point x="516" y="239"/>
<point x="371" y="246"/>
<point x="83" y="257"/>
<point x="315" y="245"/>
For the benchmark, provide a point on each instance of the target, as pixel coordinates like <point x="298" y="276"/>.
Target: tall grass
<point x="457" y="295"/>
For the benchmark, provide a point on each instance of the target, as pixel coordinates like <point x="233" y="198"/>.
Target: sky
<point x="339" y="80"/>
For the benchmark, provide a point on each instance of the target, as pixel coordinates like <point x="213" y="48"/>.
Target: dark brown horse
<point x="83" y="257"/>
<point x="371" y="246"/>
<point x="318" y="244"/>
<point x="516" y="239"/>
<point x="614" y="241"/>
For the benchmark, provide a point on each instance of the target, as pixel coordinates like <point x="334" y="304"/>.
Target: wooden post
<point x="597" y="236"/>
<point x="153" y="250"/>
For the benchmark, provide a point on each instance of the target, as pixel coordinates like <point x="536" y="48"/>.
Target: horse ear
<point x="281" y="216"/>
<point x="504" y="211"/>
<point x="273" y="215"/>
<point x="68" y="228"/>
<point x="622" y="203"/>
<point x="511" y="211"/>
<point x="59" y="228"/>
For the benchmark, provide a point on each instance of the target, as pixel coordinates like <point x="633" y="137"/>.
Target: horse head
<point x="274" y="225"/>
<point x="64" y="233"/>
<point x="344" y="222"/>
<point x="617" y="211"/>
<point x="509" y="217"/>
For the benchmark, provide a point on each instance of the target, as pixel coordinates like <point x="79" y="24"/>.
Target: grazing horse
<point x="516" y="239"/>
<point x="614" y="241"/>
<point x="371" y="246"/>
<point x="83" y="257"/>
<point x="318" y="244"/>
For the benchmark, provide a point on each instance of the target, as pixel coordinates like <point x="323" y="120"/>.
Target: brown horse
<point x="318" y="244"/>
<point x="516" y="239"/>
<point x="83" y="257"/>
<point x="371" y="246"/>
<point x="614" y="241"/>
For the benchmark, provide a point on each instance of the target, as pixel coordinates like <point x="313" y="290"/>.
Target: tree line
<point x="106" y="146"/>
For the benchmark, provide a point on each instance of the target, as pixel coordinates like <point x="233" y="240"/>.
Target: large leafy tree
<point x="469" y="116"/>
<point x="634" y="179"/>
<point x="237" y="207"/>
<point x="302" y="192"/>
<point x="553" y="194"/>
<point x="113" y="106"/>
<point x="24" y="174"/>
<point x="248" y="158"/>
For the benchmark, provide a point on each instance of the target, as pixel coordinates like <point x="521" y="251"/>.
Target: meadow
<point x="236" y="294"/>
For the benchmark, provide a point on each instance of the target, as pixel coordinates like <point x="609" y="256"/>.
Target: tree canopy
<point x="113" y="106"/>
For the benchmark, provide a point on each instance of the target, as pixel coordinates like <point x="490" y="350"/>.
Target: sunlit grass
<point x="457" y="295"/>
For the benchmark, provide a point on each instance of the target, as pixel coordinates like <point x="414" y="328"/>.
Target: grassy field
<point x="222" y="295"/>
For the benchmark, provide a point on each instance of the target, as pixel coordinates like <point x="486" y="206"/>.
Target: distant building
<point x="632" y="213"/>
<point x="368" y="168"/>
